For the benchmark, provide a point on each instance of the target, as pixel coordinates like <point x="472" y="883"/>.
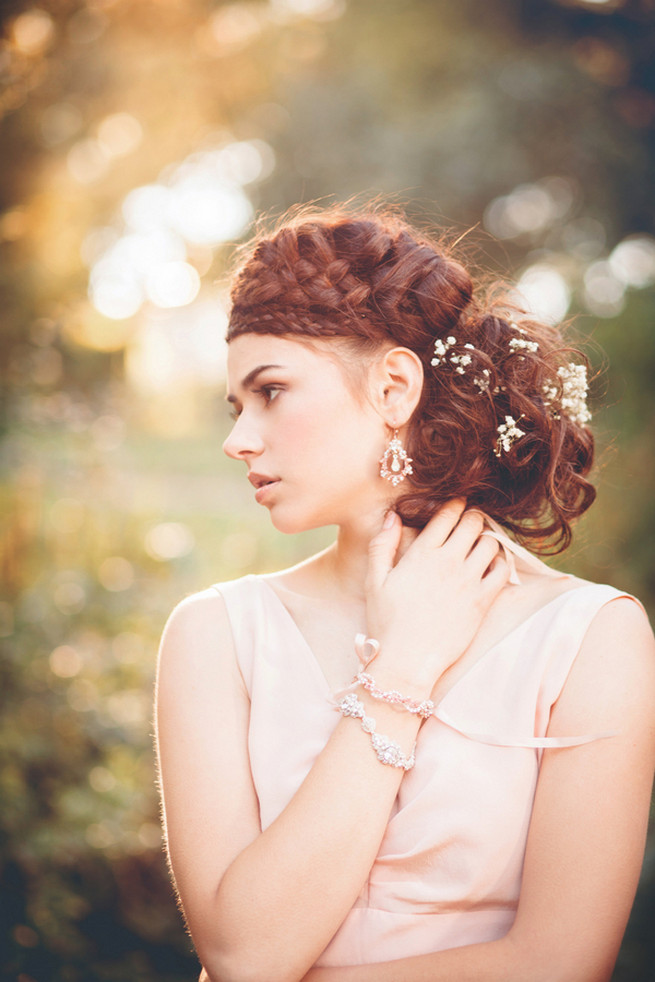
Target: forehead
<point x="249" y="351"/>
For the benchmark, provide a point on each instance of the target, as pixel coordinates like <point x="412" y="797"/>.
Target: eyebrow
<point x="250" y="378"/>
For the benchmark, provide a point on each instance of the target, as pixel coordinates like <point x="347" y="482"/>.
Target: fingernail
<point x="389" y="519"/>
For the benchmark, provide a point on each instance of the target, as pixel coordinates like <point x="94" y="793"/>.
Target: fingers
<point x="382" y="551"/>
<point x="482" y="554"/>
<point x="442" y="523"/>
<point x="496" y="577"/>
<point x="466" y="532"/>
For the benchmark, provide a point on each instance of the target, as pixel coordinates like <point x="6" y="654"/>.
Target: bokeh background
<point x="138" y="140"/>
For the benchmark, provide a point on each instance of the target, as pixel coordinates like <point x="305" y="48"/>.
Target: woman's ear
<point x="396" y="382"/>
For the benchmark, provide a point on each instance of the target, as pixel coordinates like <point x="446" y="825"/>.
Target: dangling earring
<point x="400" y="465"/>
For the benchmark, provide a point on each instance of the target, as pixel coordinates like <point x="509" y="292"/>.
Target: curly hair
<point x="368" y="277"/>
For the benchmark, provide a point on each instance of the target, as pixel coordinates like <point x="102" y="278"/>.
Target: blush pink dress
<point x="449" y="866"/>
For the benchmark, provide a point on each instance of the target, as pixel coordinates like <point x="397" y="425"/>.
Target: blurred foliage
<point x="532" y="119"/>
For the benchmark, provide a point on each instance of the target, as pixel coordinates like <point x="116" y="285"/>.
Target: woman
<point x="462" y="792"/>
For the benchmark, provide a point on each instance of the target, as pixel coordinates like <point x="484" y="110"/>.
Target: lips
<point x="261" y="480"/>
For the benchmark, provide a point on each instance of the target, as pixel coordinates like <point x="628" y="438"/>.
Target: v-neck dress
<point x="449" y="866"/>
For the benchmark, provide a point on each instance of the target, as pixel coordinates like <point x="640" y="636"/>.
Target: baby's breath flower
<point x="574" y="393"/>
<point x="508" y="433"/>
<point x="441" y="349"/>
<point x="482" y="381"/>
<point x="573" y="400"/>
<point x="522" y="344"/>
<point x="460" y="362"/>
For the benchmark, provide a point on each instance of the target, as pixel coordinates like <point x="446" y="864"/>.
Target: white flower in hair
<point x="522" y="343"/>
<point x="574" y="393"/>
<point x="441" y="349"/>
<point x="482" y="380"/>
<point x="508" y="433"/>
<point x="460" y="362"/>
<point x="573" y="401"/>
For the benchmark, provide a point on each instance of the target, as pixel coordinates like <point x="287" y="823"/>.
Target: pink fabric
<point x="449" y="867"/>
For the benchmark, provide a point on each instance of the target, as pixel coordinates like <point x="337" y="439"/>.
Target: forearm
<point x="282" y="899"/>
<point x="503" y="960"/>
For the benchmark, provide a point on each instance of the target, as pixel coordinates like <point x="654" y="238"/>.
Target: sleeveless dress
<point x="448" y="870"/>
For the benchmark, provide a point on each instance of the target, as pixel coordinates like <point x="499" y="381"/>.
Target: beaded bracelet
<point x="387" y="751"/>
<point x="423" y="708"/>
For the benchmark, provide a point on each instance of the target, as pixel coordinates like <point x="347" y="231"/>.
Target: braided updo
<point x="369" y="278"/>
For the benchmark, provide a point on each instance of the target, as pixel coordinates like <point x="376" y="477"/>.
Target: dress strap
<point x="518" y="557"/>
<point x="537" y="743"/>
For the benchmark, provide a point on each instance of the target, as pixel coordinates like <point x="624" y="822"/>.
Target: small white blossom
<point x="574" y="393"/>
<point x="521" y="344"/>
<point x="508" y="432"/>
<point x="460" y="362"/>
<point x="441" y="349"/>
<point x="573" y="400"/>
<point x="482" y="380"/>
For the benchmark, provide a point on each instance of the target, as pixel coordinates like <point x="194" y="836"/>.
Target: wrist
<point x="389" y="677"/>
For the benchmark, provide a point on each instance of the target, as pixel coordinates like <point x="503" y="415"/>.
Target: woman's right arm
<point x="263" y="905"/>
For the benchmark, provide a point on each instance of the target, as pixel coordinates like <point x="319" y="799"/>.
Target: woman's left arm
<point x="587" y="833"/>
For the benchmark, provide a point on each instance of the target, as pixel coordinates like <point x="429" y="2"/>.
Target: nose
<point x="243" y="441"/>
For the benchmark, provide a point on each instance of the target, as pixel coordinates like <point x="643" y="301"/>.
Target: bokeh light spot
<point x="128" y="708"/>
<point x="116" y="574"/>
<point x="99" y="835"/>
<point x="69" y="595"/>
<point x="25" y="936"/>
<point x="150" y="835"/>
<point x="101" y="779"/>
<point x="65" y="662"/>
<point x="545" y="293"/>
<point x="231" y="28"/>
<point x="604" y="292"/>
<point x="119" y="134"/>
<point x="145" y="208"/>
<point x="633" y="261"/>
<point x="169" y="540"/>
<point x="172" y="284"/>
<point x="32" y="31"/>
<point x="59" y="122"/>
<point x="86" y="161"/>
<point x="207" y="212"/>
<point x="115" y="294"/>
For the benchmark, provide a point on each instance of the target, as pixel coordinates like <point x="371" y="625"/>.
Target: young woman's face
<point x="312" y="447"/>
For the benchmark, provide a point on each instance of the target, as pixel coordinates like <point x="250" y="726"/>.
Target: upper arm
<point x="202" y="709"/>
<point x="587" y="833"/>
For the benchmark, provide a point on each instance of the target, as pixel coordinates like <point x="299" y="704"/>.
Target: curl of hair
<point x="368" y="277"/>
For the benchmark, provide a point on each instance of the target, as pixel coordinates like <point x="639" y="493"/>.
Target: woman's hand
<point x="426" y="609"/>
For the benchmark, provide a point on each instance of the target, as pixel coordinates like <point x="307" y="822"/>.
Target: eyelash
<point x="266" y="392"/>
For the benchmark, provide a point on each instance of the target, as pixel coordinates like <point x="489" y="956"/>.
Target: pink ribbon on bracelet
<point x="361" y="645"/>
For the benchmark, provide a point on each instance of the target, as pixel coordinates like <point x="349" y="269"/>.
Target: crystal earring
<point x="399" y="466"/>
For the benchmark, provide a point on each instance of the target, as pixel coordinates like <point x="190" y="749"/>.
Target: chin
<point x="291" y="522"/>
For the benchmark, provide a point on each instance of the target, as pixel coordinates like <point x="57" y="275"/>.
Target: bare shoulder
<point x="199" y="609"/>
<point x="620" y="638"/>
<point x="612" y="681"/>
<point x="197" y="636"/>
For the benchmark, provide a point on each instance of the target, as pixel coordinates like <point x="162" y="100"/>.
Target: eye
<point x="269" y="392"/>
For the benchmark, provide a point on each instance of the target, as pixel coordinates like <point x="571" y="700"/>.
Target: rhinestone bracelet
<point x="423" y="708"/>
<point x="387" y="751"/>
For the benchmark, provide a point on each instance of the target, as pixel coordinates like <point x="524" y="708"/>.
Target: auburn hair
<point x="367" y="276"/>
